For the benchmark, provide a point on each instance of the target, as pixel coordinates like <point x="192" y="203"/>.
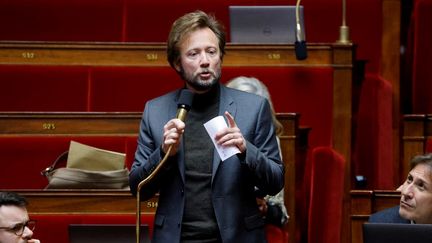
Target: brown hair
<point x="422" y="159"/>
<point x="187" y="24"/>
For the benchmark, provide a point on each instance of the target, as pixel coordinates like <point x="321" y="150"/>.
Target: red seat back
<point x="373" y="153"/>
<point x="327" y="188"/>
<point x="421" y="56"/>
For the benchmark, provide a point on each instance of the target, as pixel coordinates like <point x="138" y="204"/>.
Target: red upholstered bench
<point x="43" y="88"/>
<point x="293" y="89"/>
<point x="74" y="88"/>
<point x="128" y="88"/>
<point x="307" y="91"/>
<point x="110" y="20"/>
<point x="52" y="20"/>
<point x="25" y="157"/>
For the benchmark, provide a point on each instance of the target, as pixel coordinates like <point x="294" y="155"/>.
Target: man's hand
<point x="172" y="134"/>
<point x="262" y="205"/>
<point x="231" y="136"/>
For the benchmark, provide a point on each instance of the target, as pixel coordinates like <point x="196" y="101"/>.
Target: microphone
<point x="184" y="103"/>
<point x="183" y="106"/>
<point x="300" y="42"/>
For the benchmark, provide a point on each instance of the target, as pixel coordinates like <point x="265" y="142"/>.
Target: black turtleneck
<point x="199" y="221"/>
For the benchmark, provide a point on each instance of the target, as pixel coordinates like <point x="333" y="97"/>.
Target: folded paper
<point x="212" y="127"/>
<point x="86" y="157"/>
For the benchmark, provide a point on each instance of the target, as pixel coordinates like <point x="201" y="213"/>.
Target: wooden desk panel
<point x="154" y="54"/>
<point x="417" y="129"/>
<point x="63" y="123"/>
<point x="365" y="203"/>
<point x="85" y="202"/>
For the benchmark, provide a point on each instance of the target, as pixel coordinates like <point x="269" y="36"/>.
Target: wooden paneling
<point x="365" y="203"/>
<point x="417" y="129"/>
<point x="145" y="54"/>
<point x="85" y="202"/>
<point x="63" y="123"/>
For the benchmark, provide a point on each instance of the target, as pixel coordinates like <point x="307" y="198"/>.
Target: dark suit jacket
<point x="233" y="180"/>
<point x="390" y="215"/>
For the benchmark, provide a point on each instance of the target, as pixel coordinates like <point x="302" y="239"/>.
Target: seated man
<point x="15" y="225"/>
<point x="416" y="196"/>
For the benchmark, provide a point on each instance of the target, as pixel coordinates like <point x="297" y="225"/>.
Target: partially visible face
<point x="416" y="199"/>
<point x="200" y="62"/>
<point x="11" y="216"/>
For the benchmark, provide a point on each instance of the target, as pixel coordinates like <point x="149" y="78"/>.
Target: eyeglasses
<point x="18" y="229"/>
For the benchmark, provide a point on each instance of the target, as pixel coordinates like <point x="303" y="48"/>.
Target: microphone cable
<point x="184" y="105"/>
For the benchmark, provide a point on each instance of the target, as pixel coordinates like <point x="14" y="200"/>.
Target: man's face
<point x="416" y="199"/>
<point x="13" y="217"/>
<point x="200" y="62"/>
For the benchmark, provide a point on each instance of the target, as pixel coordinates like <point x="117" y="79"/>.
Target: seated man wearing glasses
<point x="15" y="226"/>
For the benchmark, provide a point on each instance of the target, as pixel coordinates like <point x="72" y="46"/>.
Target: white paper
<point x="212" y="127"/>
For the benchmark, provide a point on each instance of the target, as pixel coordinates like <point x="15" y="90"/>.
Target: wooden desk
<point x="365" y="203"/>
<point x="85" y="201"/>
<point x="66" y="123"/>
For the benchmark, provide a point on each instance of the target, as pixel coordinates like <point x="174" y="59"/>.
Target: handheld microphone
<point x="183" y="106"/>
<point x="300" y="42"/>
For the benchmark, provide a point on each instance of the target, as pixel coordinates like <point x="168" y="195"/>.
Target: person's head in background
<point x="416" y="191"/>
<point x="195" y="49"/>
<point x="15" y="226"/>
<point x="255" y="86"/>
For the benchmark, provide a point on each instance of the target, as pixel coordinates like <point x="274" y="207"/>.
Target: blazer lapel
<point x="226" y="104"/>
<point x="181" y="166"/>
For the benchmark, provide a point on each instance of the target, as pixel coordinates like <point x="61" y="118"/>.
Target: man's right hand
<point x="173" y="130"/>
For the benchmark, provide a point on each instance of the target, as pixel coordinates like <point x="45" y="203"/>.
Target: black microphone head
<point x="185" y="99"/>
<point x="300" y="50"/>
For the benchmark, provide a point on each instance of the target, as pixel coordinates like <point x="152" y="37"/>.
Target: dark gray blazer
<point x="233" y="180"/>
<point x="390" y="215"/>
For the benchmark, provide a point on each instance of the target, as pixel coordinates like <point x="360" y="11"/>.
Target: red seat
<point x="128" y="88"/>
<point x="43" y="88"/>
<point x="420" y="59"/>
<point x="66" y="20"/>
<point x="299" y="90"/>
<point x="276" y="234"/>
<point x="373" y="153"/>
<point x="326" y="199"/>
